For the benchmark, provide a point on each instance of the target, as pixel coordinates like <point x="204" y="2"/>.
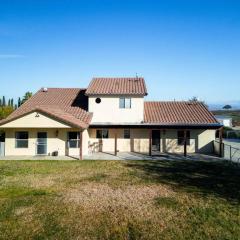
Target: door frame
<point x="39" y="154"/>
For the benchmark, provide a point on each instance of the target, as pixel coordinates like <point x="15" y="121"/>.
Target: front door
<point x="156" y="140"/>
<point x="41" y="143"/>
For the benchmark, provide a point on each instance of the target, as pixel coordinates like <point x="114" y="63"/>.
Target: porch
<point x="120" y="156"/>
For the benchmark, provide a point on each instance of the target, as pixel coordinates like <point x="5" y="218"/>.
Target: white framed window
<point x="73" y="139"/>
<point x="21" y="139"/>
<point x="125" y="102"/>
<point x="102" y="133"/>
<point x="126" y="133"/>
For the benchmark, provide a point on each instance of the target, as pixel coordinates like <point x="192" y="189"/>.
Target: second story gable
<point x="116" y="100"/>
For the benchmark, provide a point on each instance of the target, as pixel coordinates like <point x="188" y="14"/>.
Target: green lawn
<point x="119" y="200"/>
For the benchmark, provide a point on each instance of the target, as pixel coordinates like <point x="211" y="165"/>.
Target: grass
<point x="119" y="200"/>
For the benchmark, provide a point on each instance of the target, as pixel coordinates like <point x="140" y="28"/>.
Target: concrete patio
<point x="120" y="156"/>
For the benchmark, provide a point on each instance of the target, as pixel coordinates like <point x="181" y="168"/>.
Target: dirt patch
<point x="99" y="197"/>
<point x="23" y="211"/>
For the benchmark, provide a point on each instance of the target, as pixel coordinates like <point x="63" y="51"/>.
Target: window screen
<point x="73" y="139"/>
<point x="102" y="133"/>
<point x="124" y="102"/>
<point x="21" y="139"/>
<point x="127" y="102"/>
<point x="126" y="133"/>
<point x="121" y="103"/>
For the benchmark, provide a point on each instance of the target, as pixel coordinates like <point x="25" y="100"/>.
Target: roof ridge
<point x="117" y="86"/>
<point x="117" y="78"/>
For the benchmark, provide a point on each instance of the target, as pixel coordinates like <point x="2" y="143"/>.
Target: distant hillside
<point x="219" y="105"/>
<point x="235" y="114"/>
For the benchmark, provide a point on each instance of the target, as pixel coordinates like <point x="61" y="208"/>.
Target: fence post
<point x="223" y="149"/>
<point x="230" y="153"/>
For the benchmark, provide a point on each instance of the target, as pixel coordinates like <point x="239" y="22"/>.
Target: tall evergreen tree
<point x="9" y="103"/>
<point x="12" y="102"/>
<point x="19" y="102"/>
<point x="3" y="101"/>
<point x="0" y="102"/>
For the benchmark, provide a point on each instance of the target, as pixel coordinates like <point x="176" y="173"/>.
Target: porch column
<point x="132" y="144"/>
<point x="150" y="142"/>
<point x="185" y="143"/>
<point x="80" y="146"/>
<point x="220" y="142"/>
<point x="115" y="142"/>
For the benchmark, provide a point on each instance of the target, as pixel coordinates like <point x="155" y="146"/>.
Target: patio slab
<point x="138" y="156"/>
<point x="120" y="156"/>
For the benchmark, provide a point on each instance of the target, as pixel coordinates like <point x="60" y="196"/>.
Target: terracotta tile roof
<point x="112" y="86"/>
<point x="177" y="113"/>
<point x="68" y="105"/>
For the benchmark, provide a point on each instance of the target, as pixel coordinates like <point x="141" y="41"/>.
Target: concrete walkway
<point x="120" y="156"/>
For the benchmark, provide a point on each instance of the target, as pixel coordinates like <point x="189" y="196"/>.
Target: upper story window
<point x="102" y="133"/>
<point x="181" y="138"/>
<point x="125" y="102"/>
<point x="21" y="139"/>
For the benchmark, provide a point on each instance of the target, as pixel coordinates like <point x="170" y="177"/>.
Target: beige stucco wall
<point x="57" y="134"/>
<point x="108" y="110"/>
<point x="56" y="141"/>
<point x="201" y="141"/>
<point x="32" y="121"/>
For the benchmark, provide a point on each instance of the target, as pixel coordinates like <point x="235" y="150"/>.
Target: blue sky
<point x="181" y="48"/>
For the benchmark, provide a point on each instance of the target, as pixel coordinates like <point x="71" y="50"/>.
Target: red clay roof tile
<point x="68" y="105"/>
<point x="177" y="113"/>
<point x="117" y="86"/>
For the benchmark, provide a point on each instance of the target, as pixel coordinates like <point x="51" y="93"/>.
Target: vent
<point x="45" y="89"/>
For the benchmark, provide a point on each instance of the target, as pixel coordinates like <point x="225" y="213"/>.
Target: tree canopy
<point x="227" y="107"/>
<point x="8" y="106"/>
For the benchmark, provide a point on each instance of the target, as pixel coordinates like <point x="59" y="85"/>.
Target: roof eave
<point x="159" y="125"/>
<point x="83" y="126"/>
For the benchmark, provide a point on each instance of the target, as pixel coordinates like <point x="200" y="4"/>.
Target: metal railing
<point x="228" y="152"/>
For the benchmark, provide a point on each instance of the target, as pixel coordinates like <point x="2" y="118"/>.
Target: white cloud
<point x="9" y="56"/>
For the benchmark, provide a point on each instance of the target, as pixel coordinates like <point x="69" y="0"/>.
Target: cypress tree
<point x="9" y="102"/>
<point x="12" y="103"/>
<point x="3" y="101"/>
<point x="19" y="102"/>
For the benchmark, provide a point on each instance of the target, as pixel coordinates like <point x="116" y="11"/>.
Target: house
<point x="226" y="121"/>
<point x="110" y="115"/>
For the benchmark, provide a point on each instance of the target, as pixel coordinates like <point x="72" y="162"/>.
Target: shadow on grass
<point x="216" y="178"/>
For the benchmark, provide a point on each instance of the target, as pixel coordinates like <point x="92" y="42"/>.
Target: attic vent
<point x="45" y="89"/>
